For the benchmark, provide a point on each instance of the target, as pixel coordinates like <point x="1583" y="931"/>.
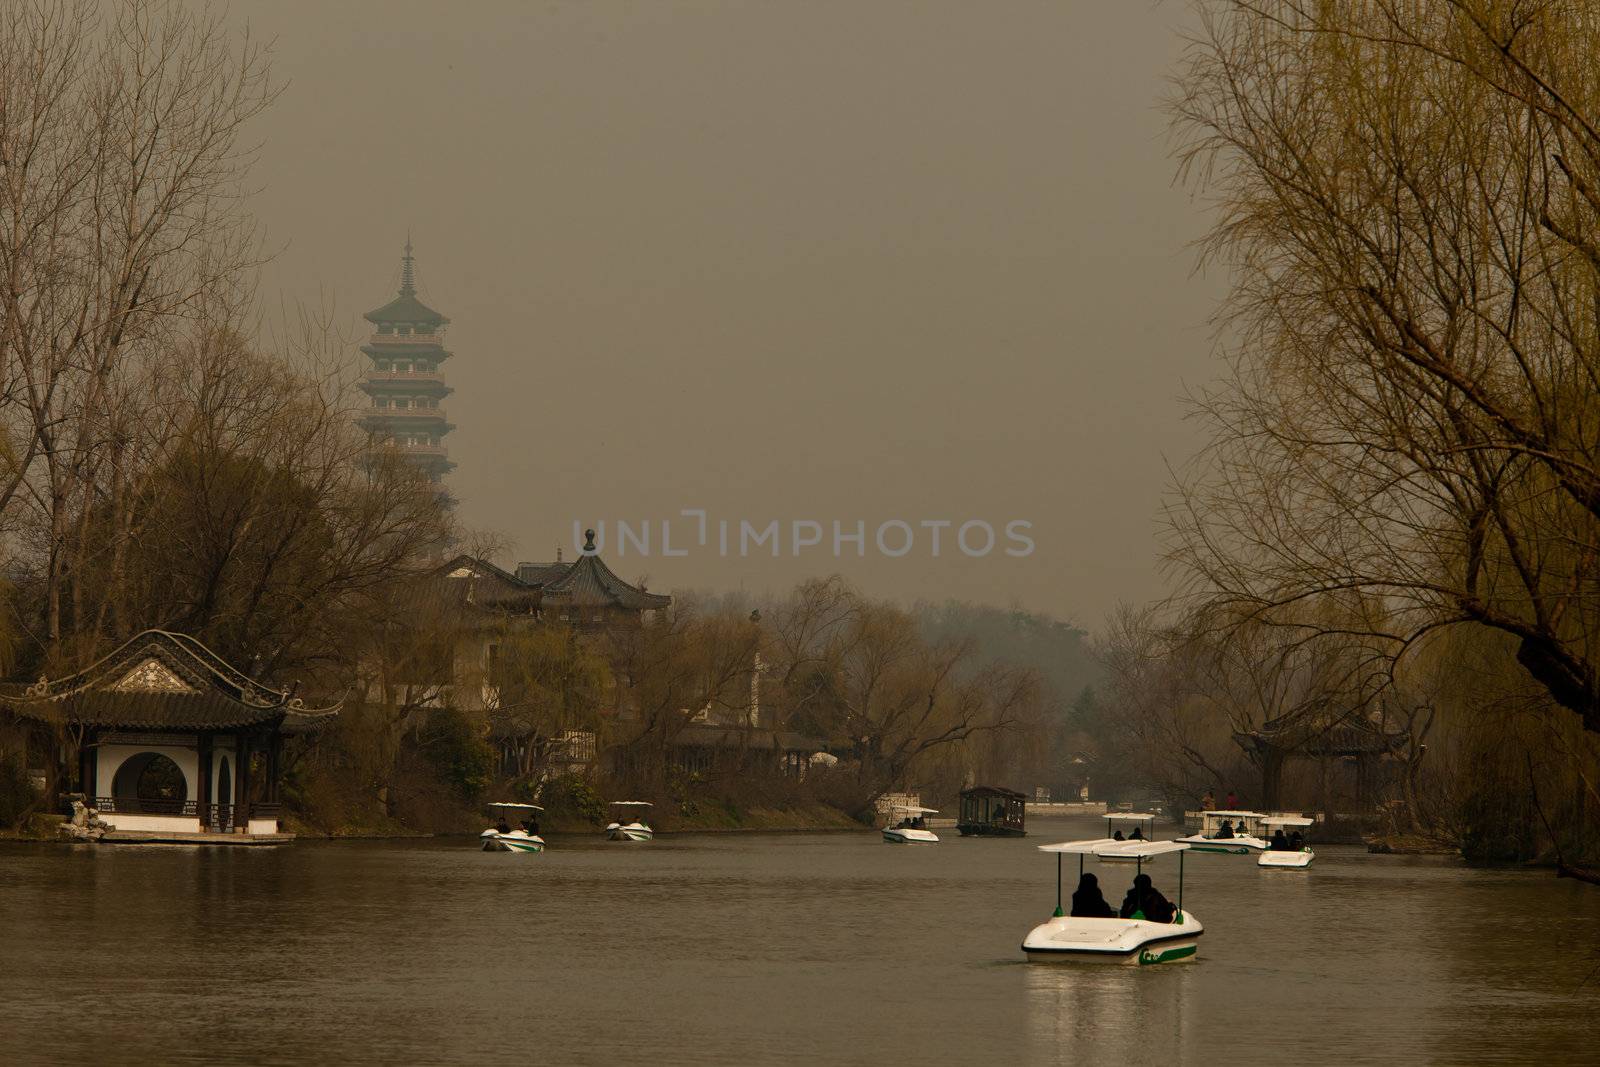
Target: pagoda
<point x="403" y="381"/>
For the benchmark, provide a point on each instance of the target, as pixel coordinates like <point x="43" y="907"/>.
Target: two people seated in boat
<point x="1280" y="842"/>
<point x="1089" y="902"/>
<point x="911" y="822"/>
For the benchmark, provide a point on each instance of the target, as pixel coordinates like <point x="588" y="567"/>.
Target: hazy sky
<point x="819" y="261"/>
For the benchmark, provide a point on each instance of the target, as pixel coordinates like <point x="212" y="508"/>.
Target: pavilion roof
<point x="589" y="583"/>
<point x="161" y="680"/>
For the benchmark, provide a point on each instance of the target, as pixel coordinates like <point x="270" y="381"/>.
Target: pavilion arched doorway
<point x="150" y="782"/>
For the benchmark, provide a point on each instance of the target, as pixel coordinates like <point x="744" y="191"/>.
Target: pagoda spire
<point x="408" y="276"/>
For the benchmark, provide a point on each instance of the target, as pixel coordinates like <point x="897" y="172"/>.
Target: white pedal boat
<point x="630" y="825"/>
<point x="1135" y="941"/>
<point x="1139" y="819"/>
<point x="910" y="830"/>
<point x="1286" y="859"/>
<point x="1246" y="826"/>
<point x="515" y="841"/>
<point x="525" y="839"/>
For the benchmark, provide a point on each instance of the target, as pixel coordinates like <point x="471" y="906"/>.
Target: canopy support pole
<point x="1180" y="880"/>
<point x="1058" y="883"/>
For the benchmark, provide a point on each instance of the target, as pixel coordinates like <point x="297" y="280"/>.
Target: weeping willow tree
<point x="1407" y="198"/>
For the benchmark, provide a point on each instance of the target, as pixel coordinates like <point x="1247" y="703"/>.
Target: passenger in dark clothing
<point x="1118" y="836"/>
<point x="502" y="827"/>
<point x="1280" y="842"/>
<point x="1226" y="830"/>
<point x="1089" y="902"/>
<point x="1146" y="898"/>
<point x="1297" y="841"/>
<point x="1137" y="835"/>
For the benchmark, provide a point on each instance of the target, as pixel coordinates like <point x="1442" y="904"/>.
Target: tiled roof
<point x="589" y="583"/>
<point x="406" y="308"/>
<point x="993" y="791"/>
<point x="160" y="680"/>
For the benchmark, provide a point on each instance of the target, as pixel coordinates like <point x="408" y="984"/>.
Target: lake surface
<point x="769" y="948"/>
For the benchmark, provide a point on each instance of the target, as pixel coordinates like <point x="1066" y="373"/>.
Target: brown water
<point x="768" y="948"/>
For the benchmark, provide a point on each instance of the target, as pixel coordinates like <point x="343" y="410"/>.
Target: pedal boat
<point x="1134" y="941"/>
<point x="906" y="832"/>
<point x="1139" y="819"/>
<point x="493" y="840"/>
<point x="1245" y="840"/>
<point x="1291" y="859"/>
<point x="629" y="824"/>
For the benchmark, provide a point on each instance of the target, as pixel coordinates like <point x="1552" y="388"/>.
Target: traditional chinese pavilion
<point x="172" y="742"/>
<point x="587" y="593"/>
<point x="404" y="382"/>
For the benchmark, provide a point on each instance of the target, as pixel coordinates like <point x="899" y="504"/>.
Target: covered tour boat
<point x="990" y="811"/>
<point x="912" y="829"/>
<point x="1286" y="858"/>
<point x="1234" y="832"/>
<point x="1137" y="940"/>
<point x="501" y="838"/>
<point x="629" y="824"/>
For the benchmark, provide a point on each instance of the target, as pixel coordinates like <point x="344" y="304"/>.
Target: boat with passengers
<point x="1144" y="825"/>
<point x="912" y="828"/>
<point x="629" y="825"/>
<point x="1285" y="855"/>
<point x="1235" y="832"/>
<point x="1136" y="938"/>
<point x="502" y="838"/>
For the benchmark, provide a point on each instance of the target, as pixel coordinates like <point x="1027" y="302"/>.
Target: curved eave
<point x="401" y="349"/>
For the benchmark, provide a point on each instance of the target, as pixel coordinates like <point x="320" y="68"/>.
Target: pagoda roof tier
<point x="416" y="418"/>
<point x="427" y="385"/>
<point x="401" y="349"/>
<point x="158" y="680"/>
<point x="405" y="308"/>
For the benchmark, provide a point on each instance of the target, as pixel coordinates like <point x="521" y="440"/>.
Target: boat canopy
<point x="1234" y="814"/>
<point x="1287" y="820"/>
<point x="1110" y="846"/>
<point x="632" y="804"/>
<point x="1085" y="847"/>
<point x="1138" y="816"/>
<point x="916" y="811"/>
<point x="1140" y="849"/>
<point x="528" y="807"/>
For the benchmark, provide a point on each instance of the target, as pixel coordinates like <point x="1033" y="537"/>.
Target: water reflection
<point x="1111" y="1011"/>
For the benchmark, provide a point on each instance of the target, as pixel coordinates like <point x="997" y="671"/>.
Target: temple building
<point x="167" y="742"/>
<point x="404" y="381"/>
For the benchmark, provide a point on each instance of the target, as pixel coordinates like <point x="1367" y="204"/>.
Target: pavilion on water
<point x="172" y="743"/>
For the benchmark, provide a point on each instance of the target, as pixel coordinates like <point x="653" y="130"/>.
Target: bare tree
<point x="121" y="221"/>
<point x="1407" y="192"/>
